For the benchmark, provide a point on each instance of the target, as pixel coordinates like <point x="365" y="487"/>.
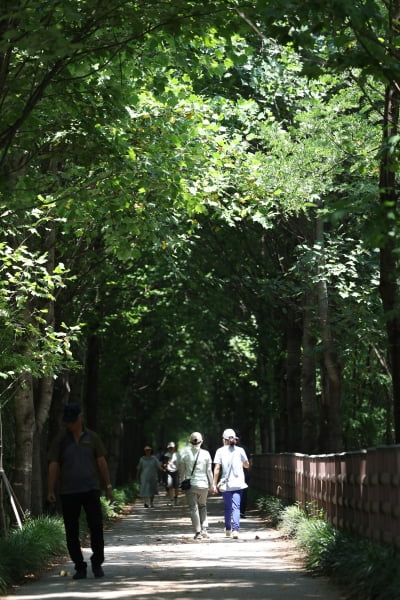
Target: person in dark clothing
<point x="77" y="456"/>
<point x="243" y="500"/>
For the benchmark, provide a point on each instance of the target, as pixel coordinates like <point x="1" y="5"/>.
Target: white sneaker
<point x="235" y="535"/>
<point x="228" y="533"/>
<point x="205" y="535"/>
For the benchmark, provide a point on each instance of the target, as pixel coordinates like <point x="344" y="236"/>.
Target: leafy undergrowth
<point x="363" y="569"/>
<point x="41" y="540"/>
<point x="28" y="549"/>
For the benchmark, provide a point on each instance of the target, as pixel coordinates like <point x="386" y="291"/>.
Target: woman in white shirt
<point x="195" y="464"/>
<point x="230" y="459"/>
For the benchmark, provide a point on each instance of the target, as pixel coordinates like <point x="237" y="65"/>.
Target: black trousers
<point x="71" y="508"/>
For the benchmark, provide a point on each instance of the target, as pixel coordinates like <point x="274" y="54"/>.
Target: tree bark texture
<point x="43" y="392"/>
<point x="309" y="442"/>
<point x="331" y="430"/>
<point x="24" y="431"/>
<point x="388" y="285"/>
<point x="293" y="378"/>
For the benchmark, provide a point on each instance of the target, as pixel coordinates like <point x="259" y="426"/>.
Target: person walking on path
<point x="231" y="459"/>
<point x="147" y="472"/>
<point x="195" y="465"/>
<point x="146" y="562"/>
<point x="171" y="469"/>
<point x="77" y="455"/>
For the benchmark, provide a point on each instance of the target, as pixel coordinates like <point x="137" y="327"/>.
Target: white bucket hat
<point x="228" y="433"/>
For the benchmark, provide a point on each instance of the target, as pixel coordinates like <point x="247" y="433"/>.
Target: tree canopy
<point x="199" y="225"/>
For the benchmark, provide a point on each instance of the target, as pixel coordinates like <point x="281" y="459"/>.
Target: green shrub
<point x="122" y="496"/>
<point x="363" y="569"/>
<point x="270" y="508"/>
<point x="27" y="549"/>
<point x="289" y="519"/>
<point x="317" y="538"/>
<point x="367" y="570"/>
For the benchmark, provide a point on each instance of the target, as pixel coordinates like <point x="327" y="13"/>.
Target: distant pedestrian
<point x="195" y="465"/>
<point x="231" y="459"/>
<point x="161" y="459"/>
<point x="78" y="455"/>
<point x="147" y="472"/>
<point x="171" y="469"/>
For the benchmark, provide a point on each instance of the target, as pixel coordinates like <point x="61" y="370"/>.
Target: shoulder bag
<point x="186" y="485"/>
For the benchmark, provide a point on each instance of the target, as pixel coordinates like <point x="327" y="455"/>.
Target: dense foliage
<point x="199" y="226"/>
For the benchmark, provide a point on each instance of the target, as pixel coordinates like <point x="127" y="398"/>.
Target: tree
<point x="54" y="90"/>
<point x="360" y="38"/>
<point x="197" y="188"/>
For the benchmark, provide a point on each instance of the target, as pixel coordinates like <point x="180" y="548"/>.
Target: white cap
<point x="171" y="445"/>
<point x="228" y="433"/>
<point x="196" y="438"/>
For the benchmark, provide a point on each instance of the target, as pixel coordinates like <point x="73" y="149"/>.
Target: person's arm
<point x="244" y="459"/>
<point x="105" y="473"/>
<point x="210" y="476"/>
<point x="54" y="469"/>
<point x="217" y="469"/>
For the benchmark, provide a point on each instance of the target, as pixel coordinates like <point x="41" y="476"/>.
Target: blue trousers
<point x="232" y="509"/>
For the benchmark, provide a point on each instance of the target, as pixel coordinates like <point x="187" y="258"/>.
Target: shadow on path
<point x="151" y="554"/>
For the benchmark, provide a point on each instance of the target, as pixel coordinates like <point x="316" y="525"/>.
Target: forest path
<point x="151" y="554"/>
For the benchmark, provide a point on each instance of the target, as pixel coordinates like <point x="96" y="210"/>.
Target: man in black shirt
<point x="77" y="455"/>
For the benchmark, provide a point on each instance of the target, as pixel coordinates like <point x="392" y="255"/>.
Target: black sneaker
<point x="98" y="571"/>
<point x="80" y="574"/>
<point x="197" y="536"/>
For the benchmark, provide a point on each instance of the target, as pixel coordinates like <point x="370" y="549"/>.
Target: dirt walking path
<point x="151" y="554"/>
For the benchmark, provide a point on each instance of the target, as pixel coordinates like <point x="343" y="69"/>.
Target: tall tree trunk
<point x="331" y="430"/>
<point x="24" y="431"/>
<point x="32" y="406"/>
<point x="44" y="392"/>
<point x="309" y="443"/>
<point x="39" y="462"/>
<point x="3" y="520"/>
<point x="293" y="379"/>
<point x="281" y="422"/>
<point x="388" y="286"/>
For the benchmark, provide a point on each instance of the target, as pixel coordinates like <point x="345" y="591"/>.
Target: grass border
<point x="364" y="570"/>
<point x="41" y="541"/>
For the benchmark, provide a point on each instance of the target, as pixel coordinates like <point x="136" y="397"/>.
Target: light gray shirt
<point x="202" y="475"/>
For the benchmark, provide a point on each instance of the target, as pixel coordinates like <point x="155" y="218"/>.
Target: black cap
<point x="71" y="412"/>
